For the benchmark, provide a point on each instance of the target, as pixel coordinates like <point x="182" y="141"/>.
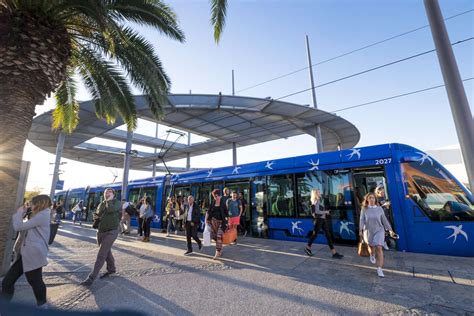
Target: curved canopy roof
<point x="224" y="120"/>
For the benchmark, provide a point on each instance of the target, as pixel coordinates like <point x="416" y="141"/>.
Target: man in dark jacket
<point x="192" y="219"/>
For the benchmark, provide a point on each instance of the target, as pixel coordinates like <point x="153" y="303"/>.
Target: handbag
<point x="363" y="249"/>
<point x="206" y="236"/>
<point x="229" y="236"/>
<point x="96" y="222"/>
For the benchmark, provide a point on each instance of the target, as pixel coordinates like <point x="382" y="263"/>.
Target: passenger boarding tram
<point x="430" y="210"/>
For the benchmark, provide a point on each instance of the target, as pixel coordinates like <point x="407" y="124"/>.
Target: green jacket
<point x="110" y="214"/>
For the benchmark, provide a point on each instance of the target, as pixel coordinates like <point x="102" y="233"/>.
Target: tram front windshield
<point x="436" y="192"/>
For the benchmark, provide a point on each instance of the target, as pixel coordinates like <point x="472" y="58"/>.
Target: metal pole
<point x="317" y="132"/>
<point x="7" y="255"/>
<point x="460" y="110"/>
<point x="57" y="162"/>
<point x="154" y="161"/>
<point x="233" y="83"/>
<point x="126" y="164"/>
<point x="234" y="154"/>
<point x="188" y="155"/>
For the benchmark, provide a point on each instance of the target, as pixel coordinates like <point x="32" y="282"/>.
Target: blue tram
<point x="430" y="210"/>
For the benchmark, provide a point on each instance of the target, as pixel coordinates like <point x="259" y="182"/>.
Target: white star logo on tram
<point x="353" y="152"/>
<point x="236" y="170"/>
<point x="294" y="226"/>
<point x="423" y="158"/>
<point x="315" y="165"/>
<point x="345" y="227"/>
<point x="209" y="173"/>
<point x="269" y="165"/>
<point x="456" y="231"/>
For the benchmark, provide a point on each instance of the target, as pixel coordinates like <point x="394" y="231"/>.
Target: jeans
<point x="77" y="217"/>
<point x="318" y="223"/>
<point x="105" y="240"/>
<point x="34" y="278"/>
<point x="140" y="226"/>
<point x="147" y="226"/>
<point x="125" y="223"/>
<point x="171" y="225"/>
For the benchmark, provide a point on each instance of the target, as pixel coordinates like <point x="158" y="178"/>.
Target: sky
<point x="265" y="39"/>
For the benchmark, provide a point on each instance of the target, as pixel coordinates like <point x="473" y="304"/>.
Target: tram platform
<point x="255" y="277"/>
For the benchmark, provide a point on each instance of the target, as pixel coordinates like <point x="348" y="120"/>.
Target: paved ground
<point x="257" y="277"/>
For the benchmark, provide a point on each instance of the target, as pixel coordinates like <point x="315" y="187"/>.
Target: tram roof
<point x="224" y="120"/>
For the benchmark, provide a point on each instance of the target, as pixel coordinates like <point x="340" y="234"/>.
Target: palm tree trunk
<point x="17" y="109"/>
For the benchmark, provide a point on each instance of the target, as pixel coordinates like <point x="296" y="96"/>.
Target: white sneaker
<point x="372" y="259"/>
<point x="167" y="235"/>
<point x="385" y="246"/>
<point x="380" y="272"/>
<point x="176" y="232"/>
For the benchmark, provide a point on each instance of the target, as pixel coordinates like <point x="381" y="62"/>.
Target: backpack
<point x="131" y="210"/>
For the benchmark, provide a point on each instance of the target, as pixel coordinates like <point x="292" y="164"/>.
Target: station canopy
<point x="222" y="120"/>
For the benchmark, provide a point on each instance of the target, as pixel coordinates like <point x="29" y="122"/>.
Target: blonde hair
<point x="42" y="201"/>
<point x="315" y="196"/>
<point x="365" y="202"/>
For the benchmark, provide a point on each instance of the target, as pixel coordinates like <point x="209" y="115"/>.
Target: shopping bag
<point x="363" y="249"/>
<point x="206" y="236"/>
<point x="229" y="236"/>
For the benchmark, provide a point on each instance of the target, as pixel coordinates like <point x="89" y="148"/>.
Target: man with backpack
<point x="128" y="210"/>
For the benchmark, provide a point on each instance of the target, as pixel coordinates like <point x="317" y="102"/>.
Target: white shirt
<point x="125" y="205"/>
<point x="190" y="213"/>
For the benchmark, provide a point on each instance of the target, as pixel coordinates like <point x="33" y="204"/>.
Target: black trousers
<point x="191" y="231"/>
<point x="140" y="226"/>
<point x="147" y="226"/>
<point x="34" y="278"/>
<point x="318" y="224"/>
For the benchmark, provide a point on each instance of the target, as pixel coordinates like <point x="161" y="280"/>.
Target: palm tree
<point x="47" y="45"/>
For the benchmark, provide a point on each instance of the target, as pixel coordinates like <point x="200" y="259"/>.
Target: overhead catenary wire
<point x="370" y="70"/>
<point x="351" y="52"/>
<point x="394" y="97"/>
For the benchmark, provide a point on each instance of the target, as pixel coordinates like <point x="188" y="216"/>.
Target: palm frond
<point x="109" y="88"/>
<point x="152" y="13"/>
<point x="218" y="12"/>
<point x="66" y="113"/>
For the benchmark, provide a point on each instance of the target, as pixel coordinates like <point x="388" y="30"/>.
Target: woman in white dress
<point x="372" y="227"/>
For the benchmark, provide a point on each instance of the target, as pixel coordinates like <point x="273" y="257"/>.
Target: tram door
<point x="243" y="187"/>
<point x="366" y="180"/>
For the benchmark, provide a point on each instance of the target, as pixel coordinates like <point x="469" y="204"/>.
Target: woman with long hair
<point x="216" y="218"/>
<point x="171" y="209"/>
<point x="320" y="221"/>
<point x="31" y="248"/>
<point x="372" y="227"/>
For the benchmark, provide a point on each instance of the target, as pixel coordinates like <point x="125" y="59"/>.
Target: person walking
<point x="320" y="221"/>
<point x="384" y="203"/>
<point x="31" y="248"/>
<point x="108" y="213"/>
<point x="59" y="212"/>
<point x="140" y="209"/>
<point x="77" y="210"/>
<point x="216" y="218"/>
<point x="192" y="219"/>
<point x="147" y="218"/>
<point x="372" y="226"/>
<point x="171" y="209"/>
<point x="125" y="221"/>
<point x="243" y="222"/>
<point x="234" y="208"/>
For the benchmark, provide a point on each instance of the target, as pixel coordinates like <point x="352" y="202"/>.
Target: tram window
<point x="337" y="191"/>
<point x="280" y="196"/>
<point x="134" y="195"/>
<point x="204" y="197"/>
<point x="305" y="183"/>
<point x="436" y="192"/>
